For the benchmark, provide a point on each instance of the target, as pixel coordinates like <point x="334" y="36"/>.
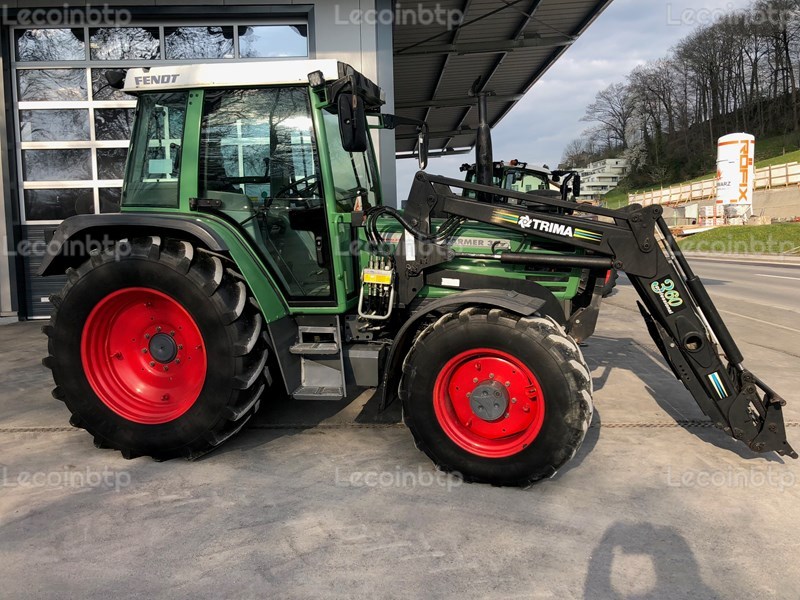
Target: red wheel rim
<point x="498" y="387"/>
<point x="143" y="355"/>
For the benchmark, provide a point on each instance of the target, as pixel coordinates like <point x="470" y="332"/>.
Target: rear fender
<point x="78" y="236"/>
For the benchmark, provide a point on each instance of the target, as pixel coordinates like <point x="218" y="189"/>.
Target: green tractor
<point x="253" y="258"/>
<point x="520" y="177"/>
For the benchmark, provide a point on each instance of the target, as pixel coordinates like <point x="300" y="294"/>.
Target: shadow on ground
<point x="606" y="355"/>
<point x="644" y="561"/>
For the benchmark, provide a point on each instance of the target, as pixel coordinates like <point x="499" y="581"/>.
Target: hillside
<point x="772" y="151"/>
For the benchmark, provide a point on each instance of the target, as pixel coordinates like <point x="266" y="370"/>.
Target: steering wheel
<point x="302" y="188"/>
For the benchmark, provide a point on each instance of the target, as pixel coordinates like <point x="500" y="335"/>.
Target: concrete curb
<point x="774" y="259"/>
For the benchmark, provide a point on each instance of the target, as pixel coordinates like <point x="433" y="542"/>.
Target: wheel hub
<point x="143" y="355"/>
<point x="489" y="400"/>
<point x="163" y="348"/>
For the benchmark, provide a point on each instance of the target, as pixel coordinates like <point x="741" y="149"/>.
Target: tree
<point x="613" y="109"/>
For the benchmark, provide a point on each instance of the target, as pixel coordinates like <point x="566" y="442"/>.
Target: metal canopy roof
<point x="509" y="43"/>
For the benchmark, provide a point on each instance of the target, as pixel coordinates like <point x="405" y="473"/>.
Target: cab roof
<point x="251" y="73"/>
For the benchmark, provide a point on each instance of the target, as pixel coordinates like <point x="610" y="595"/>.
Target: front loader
<point x="253" y="258"/>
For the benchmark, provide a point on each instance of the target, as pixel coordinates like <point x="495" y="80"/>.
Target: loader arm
<point x="679" y="313"/>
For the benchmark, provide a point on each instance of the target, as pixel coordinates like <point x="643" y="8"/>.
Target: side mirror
<point x="576" y="186"/>
<point x="422" y="145"/>
<point x="353" y="123"/>
<point x="116" y="78"/>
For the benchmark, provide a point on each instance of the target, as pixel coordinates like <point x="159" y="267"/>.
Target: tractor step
<point x="315" y="348"/>
<point x="318" y="393"/>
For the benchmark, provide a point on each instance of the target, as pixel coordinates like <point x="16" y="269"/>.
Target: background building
<point x="65" y="132"/>
<point x="602" y="176"/>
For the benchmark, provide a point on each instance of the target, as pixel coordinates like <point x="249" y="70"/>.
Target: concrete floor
<point x="348" y="507"/>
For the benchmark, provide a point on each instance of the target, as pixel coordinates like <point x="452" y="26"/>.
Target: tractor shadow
<point x="606" y="355"/>
<point x="280" y="416"/>
<point x="644" y="561"/>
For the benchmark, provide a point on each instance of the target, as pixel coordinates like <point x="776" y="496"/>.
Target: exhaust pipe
<point x="484" y="162"/>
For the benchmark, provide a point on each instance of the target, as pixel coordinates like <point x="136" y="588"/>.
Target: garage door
<point x="72" y="128"/>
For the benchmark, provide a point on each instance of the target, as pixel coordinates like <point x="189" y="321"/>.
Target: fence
<point x="766" y="178"/>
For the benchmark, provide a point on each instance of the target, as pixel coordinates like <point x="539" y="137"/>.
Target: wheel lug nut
<point x="166" y="368"/>
<point x="152" y="363"/>
<point x="507" y="415"/>
<point x="508" y="384"/>
<point x="147" y="336"/>
<point x="474" y="380"/>
<point x="180" y="346"/>
<point x="158" y="329"/>
<point x="177" y="361"/>
<point x="491" y="375"/>
<point x="144" y="350"/>
<point x="172" y="333"/>
<point x="513" y="401"/>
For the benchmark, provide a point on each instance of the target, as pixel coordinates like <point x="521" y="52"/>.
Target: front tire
<point x="157" y="349"/>
<point x="496" y="398"/>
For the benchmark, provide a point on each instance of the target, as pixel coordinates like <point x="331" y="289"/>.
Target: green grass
<point x="615" y="199"/>
<point x="789" y="157"/>
<point x="749" y="239"/>
<point x="769" y="152"/>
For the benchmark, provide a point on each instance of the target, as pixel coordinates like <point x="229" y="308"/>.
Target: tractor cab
<point x="535" y="181"/>
<point x="265" y="147"/>
<point x="516" y="176"/>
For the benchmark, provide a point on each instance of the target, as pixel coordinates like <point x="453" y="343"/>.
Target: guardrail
<point x="766" y="178"/>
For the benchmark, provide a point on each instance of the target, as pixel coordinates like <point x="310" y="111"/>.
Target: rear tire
<point x="536" y="371"/>
<point x="157" y="349"/>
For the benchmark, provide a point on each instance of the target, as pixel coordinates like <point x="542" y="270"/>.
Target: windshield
<point x="353" y="173"/>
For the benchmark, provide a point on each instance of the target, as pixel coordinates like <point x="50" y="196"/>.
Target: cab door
<point x="258" y="156"/>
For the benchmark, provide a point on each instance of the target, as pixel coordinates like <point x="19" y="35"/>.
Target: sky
<point x="628" y="34"/>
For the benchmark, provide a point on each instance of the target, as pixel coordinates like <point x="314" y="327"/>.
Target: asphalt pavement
<point x="331" y="500"/>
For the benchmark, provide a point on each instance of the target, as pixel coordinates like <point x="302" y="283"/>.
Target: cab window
<point x="153" y="167"/>
<point x="521" y="181"/>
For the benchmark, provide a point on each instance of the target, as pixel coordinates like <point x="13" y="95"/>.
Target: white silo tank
<point x="736" y="172"/>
